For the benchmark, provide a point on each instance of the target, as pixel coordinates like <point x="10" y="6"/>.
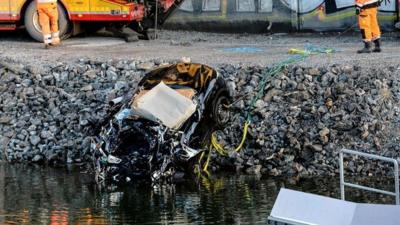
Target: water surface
<point x="37" y="195"/>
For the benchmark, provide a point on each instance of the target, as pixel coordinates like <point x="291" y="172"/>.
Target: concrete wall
<point x="273" y="15"/>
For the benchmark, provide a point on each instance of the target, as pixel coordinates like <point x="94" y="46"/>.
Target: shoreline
<point x="306" y="115"/>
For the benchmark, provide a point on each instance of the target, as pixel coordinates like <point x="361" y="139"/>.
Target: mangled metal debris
<point x="157" y="130"/>
<point x="156" y="103"/>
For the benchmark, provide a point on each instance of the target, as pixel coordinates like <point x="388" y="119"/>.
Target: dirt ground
<point x="209" y="48"/>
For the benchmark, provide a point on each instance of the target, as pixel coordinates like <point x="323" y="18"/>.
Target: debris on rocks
<point x="156" y="130"/>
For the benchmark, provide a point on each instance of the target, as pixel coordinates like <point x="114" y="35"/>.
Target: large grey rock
<point x="34" y="140"/>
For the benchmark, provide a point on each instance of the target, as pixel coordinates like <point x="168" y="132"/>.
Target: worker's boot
<point x="55" y="39"/>
<point x="366" y="49"/>
<point x="55" y="42"/>
<point x="47" y="41"/>
<point x="377" y="43"/>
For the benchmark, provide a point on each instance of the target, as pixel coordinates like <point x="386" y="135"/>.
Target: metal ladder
<point x="370" y="156"/>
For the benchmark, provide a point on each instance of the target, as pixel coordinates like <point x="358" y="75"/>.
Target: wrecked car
<point x="156" y="132"/>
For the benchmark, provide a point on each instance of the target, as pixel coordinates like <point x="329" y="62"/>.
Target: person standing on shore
<point x="367" y="11"/>
<point x="48" y="20"/>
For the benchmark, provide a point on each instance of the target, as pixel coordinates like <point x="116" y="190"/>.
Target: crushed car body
<point x="156" y="131"/>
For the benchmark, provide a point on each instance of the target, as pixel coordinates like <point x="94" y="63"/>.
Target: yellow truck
<point x="140" y="15"/>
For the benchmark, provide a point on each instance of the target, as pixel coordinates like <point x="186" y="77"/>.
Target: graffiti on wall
<point x="241" y="5"/>
<point x="331" y="6"/>
<point x="320" y="15"/>
<point x="301" y="6"/>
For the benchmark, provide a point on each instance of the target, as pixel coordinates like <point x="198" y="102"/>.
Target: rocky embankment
<point x="306" y="116"/>
<point x="47" y="113"/>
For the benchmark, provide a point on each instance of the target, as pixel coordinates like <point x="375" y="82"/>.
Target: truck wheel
<point x="33" y="27"/>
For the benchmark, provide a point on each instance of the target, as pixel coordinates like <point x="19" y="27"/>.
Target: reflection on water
<point x="34" y="195"/>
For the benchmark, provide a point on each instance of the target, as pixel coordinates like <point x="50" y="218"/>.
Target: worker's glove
<point x="358" y="10"/>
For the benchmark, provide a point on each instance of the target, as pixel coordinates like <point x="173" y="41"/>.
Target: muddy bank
<point x="306" y="116"/>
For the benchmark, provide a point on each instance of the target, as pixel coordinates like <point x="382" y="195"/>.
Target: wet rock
<point x="91" y="74"/>
<point x="34" y="140"/>
<point x="324" y="135"/>
<point x="35" y="121"/>
<point x="88" y="87"/>
<point x="121" y="85"/>
<point x="29" y="91"/>
<point x="5" y="119"/>
<point x="315" y="147"/>
<point x="314" y="72"/>
<point x="46" y="134"/>
<point x="145" y="66"/>
<point x="111" y="75"/>
<point x="38" y="159"/>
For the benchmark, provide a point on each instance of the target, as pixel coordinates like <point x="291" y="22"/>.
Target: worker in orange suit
<point x="367" y="11"/>
<point x="48" y="20"/>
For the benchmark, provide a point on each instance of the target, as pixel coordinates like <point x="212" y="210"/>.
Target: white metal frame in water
<point x="357" y="186"/>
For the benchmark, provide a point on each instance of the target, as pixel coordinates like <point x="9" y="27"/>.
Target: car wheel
<point x="32" y="23"/>
<point x="220" y="111"/>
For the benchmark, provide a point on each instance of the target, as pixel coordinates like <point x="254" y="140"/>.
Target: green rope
<point x="268" y="73"/>
<point x="299" y="55"/>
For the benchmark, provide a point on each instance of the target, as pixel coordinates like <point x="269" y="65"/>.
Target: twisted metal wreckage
<point x="157" y="130"/>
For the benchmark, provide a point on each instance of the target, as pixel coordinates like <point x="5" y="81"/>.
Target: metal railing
<point x="371" y="156"/>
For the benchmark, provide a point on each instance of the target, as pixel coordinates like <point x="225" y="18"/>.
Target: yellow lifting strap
<point x="217" y="146"/>
<point x="219" y="149"/>
<point x="246" y="127"/>
<point x="304" y="53"/>
<point x="296" y="51"/>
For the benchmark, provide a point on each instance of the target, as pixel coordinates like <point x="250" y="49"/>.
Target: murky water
<point x="35" y="195"/>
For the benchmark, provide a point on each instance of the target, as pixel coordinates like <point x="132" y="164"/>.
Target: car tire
<point x="32" y="22"/>
<point x="220" y="112"/>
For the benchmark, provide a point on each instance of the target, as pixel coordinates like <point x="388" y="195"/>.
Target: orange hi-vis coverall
<point x="48" y="20"/>
<point x="368" y="19"/>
